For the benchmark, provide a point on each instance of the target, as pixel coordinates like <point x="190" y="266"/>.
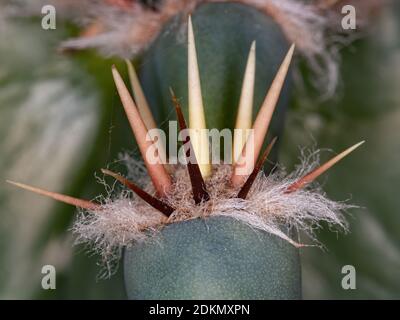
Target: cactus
<point x="218" y="258"/>
<point x="230" y="236"/>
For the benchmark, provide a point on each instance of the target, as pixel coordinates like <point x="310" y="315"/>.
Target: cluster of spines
<point x="141" y="120"/>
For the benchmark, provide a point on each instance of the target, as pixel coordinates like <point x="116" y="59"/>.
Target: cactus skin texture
<point x="216" y="257"/>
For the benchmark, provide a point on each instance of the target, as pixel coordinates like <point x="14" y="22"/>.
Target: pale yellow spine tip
<point x="356" y="145"/>
<point x="291" y="50"/>
<point x="264" y="116"/>
<point x="245" y="110"/>
<point x="197" y="121"/>
<point x="144" y="108"/>
<point x="263" y="120"/>
<point x="157" y="172"/>
<point x="140" y="97"/>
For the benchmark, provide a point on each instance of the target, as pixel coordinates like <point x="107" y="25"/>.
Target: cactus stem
<point x="263" y="119"/>
<point x="310" y="177"/>
<point x="245" y="111"/>
<point x="161" y="206"/>
<point x="196" y="179"/>
<point x="252" y="177"/>
<point x="158" y="174"/>
<point x="197" y="121"/>
<point x="84" y="204"/>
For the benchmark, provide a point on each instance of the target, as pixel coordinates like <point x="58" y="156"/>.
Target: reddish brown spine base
<point x="161" y="206"/>
<point x="252" y="177"/>
<point x="198" y="185"/>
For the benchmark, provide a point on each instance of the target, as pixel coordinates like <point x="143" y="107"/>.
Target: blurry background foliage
<point x="61" y="121"/>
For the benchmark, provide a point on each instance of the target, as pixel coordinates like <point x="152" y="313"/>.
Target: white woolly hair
<point x="124" y="219"/>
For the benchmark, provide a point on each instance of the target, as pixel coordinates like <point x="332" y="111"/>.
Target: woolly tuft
<point x="125" y="219"/>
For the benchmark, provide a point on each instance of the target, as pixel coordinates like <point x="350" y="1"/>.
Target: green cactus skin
<point x="214" y="258"/>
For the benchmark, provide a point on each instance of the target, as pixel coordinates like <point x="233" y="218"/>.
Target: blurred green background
<point x="61" y="121"/>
